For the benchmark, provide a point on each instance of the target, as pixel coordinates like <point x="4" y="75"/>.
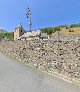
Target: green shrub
<point x="70" y="30"/>
<point x="48" y="30"/>
<point x="8" y="36"/>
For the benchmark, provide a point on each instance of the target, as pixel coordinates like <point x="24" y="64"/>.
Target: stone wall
<point x="60" y="57"/>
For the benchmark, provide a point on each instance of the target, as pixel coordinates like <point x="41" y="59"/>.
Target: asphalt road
<point x="16" y="77"/>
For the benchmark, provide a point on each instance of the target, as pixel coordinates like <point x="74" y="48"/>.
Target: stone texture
<point x="52" y="56"/>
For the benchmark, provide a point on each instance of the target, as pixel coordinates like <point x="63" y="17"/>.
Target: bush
<point x="71" y="30"/>
<point x="49" y="31"/>
<point x="8" y="36"/>
<point x="57" y="29"/>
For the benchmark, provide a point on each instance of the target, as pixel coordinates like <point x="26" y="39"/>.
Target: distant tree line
<point x="70" y="26"/>
<point x="74" y="25"/>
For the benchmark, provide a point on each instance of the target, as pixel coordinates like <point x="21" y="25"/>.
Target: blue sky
<point x="45" y="13"/>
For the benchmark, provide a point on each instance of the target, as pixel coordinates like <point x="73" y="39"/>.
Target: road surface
<point x="16" y="77"/>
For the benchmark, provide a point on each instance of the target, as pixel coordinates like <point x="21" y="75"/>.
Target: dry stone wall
<point x="60" y="57"/>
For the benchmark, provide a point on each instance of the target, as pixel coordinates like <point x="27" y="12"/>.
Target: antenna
<point x="28" y="14"/>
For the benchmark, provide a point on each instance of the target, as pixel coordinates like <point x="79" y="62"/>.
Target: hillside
<point x="67" y="31"/>
<point x="2" y="31"/>
<point x="70" y="31"/>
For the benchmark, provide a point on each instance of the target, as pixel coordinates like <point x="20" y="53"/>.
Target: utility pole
<point x="28" y="14"/>
<point x="58" y="35"/>
<point x="58" y="39"/>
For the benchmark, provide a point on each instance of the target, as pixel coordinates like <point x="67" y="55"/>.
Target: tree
<point x="8" y="36"/>
<point x="51" y="30"/>
<point x="48" y="30"/>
